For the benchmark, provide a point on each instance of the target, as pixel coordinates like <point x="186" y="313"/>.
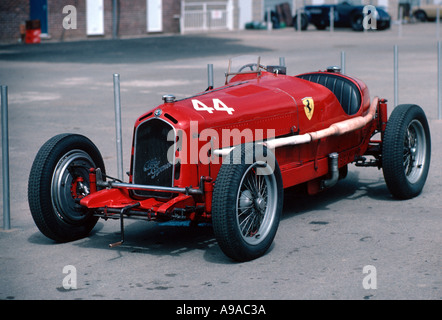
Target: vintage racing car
<point x="225" y="156"/>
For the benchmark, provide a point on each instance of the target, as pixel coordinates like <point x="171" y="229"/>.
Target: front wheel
<point x="247" y="202"/>
<point x="356" y="21"/>
<point x="406" y="151"/>
<point x="59" y="177"/>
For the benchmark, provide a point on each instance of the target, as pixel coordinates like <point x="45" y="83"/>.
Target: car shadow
<point x="175" y="238"/>
<point x="297" y="201"/>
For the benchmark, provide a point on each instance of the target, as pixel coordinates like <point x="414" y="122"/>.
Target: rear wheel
<point x="406" y="151"/>
<point x="59" y="177"/>
<point x="247" y="202"/>
<point x="420" y="15"/>
<point x="304" y="22"/>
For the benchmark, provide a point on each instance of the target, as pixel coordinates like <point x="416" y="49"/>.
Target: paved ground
<point x="323" y="242"/>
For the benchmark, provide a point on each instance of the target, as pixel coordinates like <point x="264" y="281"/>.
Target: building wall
<point x="132" y="18"/>
<point x="12" y="14"/>
<point x="56" y="16"/>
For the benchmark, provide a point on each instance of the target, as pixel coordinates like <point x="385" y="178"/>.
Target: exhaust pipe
<point x="335" y="129"/>
<point x="333" y="165"/>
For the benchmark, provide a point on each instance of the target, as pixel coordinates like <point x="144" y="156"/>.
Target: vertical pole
<point x="5" y="159"/>
<point x="438" y="23"/>
<point x="182" y="17"/>
<point x="299" y="18"/>
<point x="114" y="19"/>
<point x="117" y="103"/>
<point x="396" y="64"/>
<point x="282" y="61"/>
<point x="210" y="76"/>
<point x="439" y="80"/>
<point x="401" y="13"/>
<point x="205" y="27"/>
<point x="332" y="19"/>
<point x="343" y="62"/>
<point x="269" y="21"/>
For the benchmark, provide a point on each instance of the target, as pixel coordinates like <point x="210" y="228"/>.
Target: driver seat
<point x="346" y="91"/>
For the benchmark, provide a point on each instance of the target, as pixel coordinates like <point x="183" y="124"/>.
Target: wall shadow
<point x="140" y="50"/>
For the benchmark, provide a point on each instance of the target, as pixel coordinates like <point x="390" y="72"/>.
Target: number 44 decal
<point x="218" y="105"/>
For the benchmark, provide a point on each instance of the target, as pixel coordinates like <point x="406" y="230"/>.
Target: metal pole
<point x="182" y="17"/>
<point x="117" y="103"/>
<point x="210" y="76"/>
<point x="401" y="10"/>
<point x="438" y="23"/>
<point x="282" y="61"/>
<point x="298" y="20"/>
<point x="5" y="159"/>
<point x="114" y="19"/>
<point x="439" y="80"/>
<point x="269" y="21"/>
<point x="396" y="75"/>
<point x="332" y="19"/>
<point x="343" y="62"/>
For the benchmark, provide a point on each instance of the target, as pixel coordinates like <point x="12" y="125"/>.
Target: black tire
<point x="304" y="22"/>
<point x="406" y="151"/>
<point x="321" y="25"/>
<point x="356" y="21"/>
<point x="59" y="174"/>
<point x="236" y="202"/>
<point x="421" y="16"/>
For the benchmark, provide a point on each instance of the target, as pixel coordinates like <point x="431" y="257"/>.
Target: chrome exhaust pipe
<point x="333" y="165"/>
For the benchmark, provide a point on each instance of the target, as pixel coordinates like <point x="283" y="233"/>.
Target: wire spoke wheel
<point x="256" y="204"/>
<point x="247" y="202"/>
<point x="406" y="151"/>
<point x="414" y="151"/>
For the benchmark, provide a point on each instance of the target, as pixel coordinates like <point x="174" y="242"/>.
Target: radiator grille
<point x="151" y="165"/>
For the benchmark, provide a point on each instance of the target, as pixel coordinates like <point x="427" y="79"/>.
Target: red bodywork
<point x="267" y="103"/>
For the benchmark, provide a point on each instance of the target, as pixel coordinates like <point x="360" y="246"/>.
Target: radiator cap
<point x="334" y="69"/>
<point x="168" y="98"/>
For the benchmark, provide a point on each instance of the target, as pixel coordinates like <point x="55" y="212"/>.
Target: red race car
<point x="225" y="156"/>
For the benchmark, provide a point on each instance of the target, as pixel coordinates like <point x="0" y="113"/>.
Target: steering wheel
<point x="252" y="66"/>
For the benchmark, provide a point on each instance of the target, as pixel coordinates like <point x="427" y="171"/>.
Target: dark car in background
<point x="345" y="14"/>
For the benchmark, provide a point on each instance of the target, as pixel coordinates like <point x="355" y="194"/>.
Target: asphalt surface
<point x="323" y="242"/>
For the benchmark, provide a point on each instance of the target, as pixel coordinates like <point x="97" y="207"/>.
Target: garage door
<point x="94" y="17"/>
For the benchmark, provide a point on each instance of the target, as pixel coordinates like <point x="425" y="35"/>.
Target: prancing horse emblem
<point x="309" y="107"/>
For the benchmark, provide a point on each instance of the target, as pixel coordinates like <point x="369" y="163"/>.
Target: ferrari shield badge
<point x="309" y="107"/>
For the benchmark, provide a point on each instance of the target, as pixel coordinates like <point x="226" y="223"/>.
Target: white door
<point x="94" y="17"/>
<point x="154" y="15"/>
<point x="245" y="13"/>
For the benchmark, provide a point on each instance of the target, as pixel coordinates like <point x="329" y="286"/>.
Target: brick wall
<point x="171" y="13"/>
<point x="132" y="18"/>
<point x="12" y="14"/>
<point x="56" y="16"/>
